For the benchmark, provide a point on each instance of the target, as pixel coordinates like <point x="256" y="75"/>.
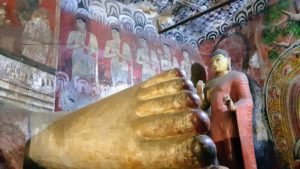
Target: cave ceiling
<point x="197" y="20"/>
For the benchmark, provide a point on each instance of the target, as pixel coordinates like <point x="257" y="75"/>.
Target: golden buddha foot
<point x="153" y="125"/>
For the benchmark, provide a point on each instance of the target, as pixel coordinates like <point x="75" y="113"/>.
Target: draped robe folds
<point x="83" y="61"/>
<point x="223" y="126"/>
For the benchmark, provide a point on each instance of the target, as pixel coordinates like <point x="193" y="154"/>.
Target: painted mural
<point x="266" y="48"/>
<point x="215" y="23"/>
<point x="282" y="91"/>
<point x="101" y="47"/>
<point x="107" y="47"/>
<point x="209" y="26"/>
<point x="29" y="29"/>
<point x="255" y="46"/>
<point x="26" y="86"/>
<point x="279" y="48"/>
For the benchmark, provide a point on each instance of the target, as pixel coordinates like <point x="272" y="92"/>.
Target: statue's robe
<point x="232" y="131"/>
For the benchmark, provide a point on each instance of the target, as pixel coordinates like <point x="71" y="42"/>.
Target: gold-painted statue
<point x="153" y="125"/>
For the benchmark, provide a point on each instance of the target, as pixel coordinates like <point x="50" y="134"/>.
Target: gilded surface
<point x="133" y="129"/>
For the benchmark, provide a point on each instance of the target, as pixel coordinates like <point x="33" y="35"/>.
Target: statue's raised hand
<point x="148" y="126"/>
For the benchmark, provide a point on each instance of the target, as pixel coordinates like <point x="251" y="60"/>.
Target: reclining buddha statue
<point x="153" y="125"/>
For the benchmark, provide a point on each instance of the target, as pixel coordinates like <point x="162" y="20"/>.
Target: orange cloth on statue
<point x="223" y="123"/>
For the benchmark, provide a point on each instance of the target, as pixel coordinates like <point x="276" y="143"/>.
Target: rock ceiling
<point x="214" y="16"/>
